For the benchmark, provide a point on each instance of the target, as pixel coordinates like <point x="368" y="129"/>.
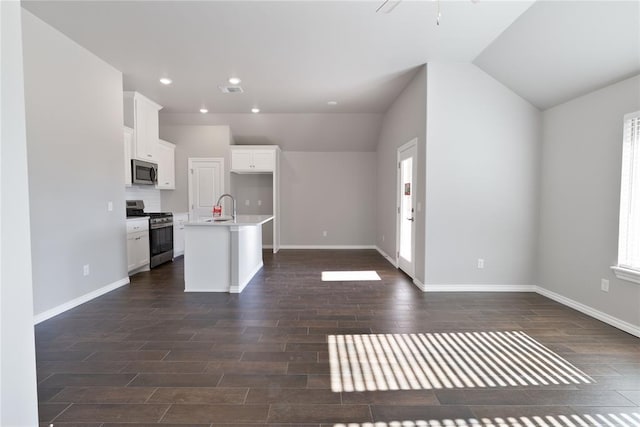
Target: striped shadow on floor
<point x="445" y="360"/>
<point x="631" y="419"/>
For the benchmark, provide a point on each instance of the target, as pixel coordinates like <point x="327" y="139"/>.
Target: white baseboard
<point x="135" y="271"/>
<point x="590" y="311"/>
<point x="420" y="285"/>
<point x="327" y="247"/>
<point x="38" y="318"/>
<point x="240" y="288"/>
<point x="479" y="288"/>
<point x="384" y="254"/>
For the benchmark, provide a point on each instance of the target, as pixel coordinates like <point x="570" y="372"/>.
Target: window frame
<point x="622" y="269"/>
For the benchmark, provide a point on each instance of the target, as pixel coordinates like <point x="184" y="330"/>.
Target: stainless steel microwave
<point x="144" y="172"/>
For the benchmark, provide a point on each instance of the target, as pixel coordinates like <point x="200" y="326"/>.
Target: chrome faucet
<point x="232" y="199"/>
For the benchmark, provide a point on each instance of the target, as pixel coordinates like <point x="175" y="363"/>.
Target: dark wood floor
<point x="148" y="353"/>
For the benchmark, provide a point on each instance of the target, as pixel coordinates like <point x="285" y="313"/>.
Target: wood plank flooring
<point x="150" y="354"/>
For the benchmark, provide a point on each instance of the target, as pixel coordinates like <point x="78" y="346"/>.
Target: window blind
<point x="629" y="238"/>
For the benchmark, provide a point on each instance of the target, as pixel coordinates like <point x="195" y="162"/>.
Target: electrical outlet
<point x="259" y="202"/>
<point x="110" y="206"/>
<point x="85" y="269"/>
<point x="324" y="233"/>
<point x="480" y="263"/>
<point x="604" y="285"/>
<point x="247" y="202"/>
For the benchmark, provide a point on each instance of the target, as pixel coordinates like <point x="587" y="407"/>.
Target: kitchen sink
<point x="217" y="220"/>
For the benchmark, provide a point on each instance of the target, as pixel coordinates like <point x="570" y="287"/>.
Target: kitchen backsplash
<point x="149" y="194"/>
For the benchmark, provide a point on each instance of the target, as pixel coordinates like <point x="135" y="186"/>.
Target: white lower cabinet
<point x="137" y="244"/>
<point x="179" y="219"/>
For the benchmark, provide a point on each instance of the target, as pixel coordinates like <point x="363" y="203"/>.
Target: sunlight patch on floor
<point x="349" y="276"/>
<point x="444" y="361"/>
<point x="631" y="419"/>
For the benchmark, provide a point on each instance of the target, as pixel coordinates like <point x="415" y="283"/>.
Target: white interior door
<point x="406" y="189"/>
<point x="206" y="184"/>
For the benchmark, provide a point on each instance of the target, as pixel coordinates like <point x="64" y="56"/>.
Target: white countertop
<point x="227" y="221"/>
<point x="136" y="218"/>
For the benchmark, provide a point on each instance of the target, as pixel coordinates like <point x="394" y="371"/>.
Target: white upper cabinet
<point x="141" y="114"/>
<point x="166" y="165"/>
<point x="264" y="160"/>
<point x="261" y="159"/>
<point x="247" y="159"/>
<point x="128" y="145"/>
<point x="241" y="160"/>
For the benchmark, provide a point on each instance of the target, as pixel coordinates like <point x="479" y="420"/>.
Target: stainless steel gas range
<point x="160" y="232"/>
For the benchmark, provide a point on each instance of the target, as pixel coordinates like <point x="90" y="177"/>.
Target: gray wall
<point x="406" y="119"/>
<point x="328" y="191"/>
<point x="292" y="132"/>
<point x="325" y="172"/>
<point x="18" y="397"/>
<point x="192" y="141"/>
<point x="74" y="142"/>
<point x="581" y="165"/>
<point x="483" y="144"/>
<point x="254" y="187"/>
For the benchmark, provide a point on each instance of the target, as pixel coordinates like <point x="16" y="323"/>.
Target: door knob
<point x="410" y="219"/>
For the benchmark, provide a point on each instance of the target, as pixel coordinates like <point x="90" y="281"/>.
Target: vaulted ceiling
<point x="295" y="56"/>
<point x="558" y="50"/>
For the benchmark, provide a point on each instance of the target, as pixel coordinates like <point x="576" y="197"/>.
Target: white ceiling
<point x="559" y="50"/>
<point x="292" y="56"/>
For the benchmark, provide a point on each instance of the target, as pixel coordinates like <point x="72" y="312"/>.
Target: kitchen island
<point x="222" y="254"/>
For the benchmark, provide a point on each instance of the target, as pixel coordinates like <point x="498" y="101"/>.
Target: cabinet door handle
<point x="166" y="183"/>
<point x="138" y="238"/>
<point x="149" y="155"/>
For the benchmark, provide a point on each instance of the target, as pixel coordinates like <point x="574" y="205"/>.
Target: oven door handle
<point x="165" y="225"/>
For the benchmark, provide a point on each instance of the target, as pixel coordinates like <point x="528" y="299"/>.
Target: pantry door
<point x="206" y="184"/>
<point x="405" y="209"/>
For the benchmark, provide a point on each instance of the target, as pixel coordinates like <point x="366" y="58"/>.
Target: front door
<point x="406" y="188"/>
<point x="206" y="184"/>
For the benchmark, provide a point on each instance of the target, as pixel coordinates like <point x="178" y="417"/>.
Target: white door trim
<point x="190" y="177"/>
<point x="404" y="147"/>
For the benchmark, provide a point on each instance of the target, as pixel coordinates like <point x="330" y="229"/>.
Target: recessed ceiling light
<point x="204" y="110"/>
<point x="332" y="103"/>
<point x="255" y="110"/>
<point x="166" y="81"/>
<point x="234" y="80"/>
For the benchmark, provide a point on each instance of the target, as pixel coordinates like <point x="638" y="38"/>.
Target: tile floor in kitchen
<point x="294" y="350"/>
